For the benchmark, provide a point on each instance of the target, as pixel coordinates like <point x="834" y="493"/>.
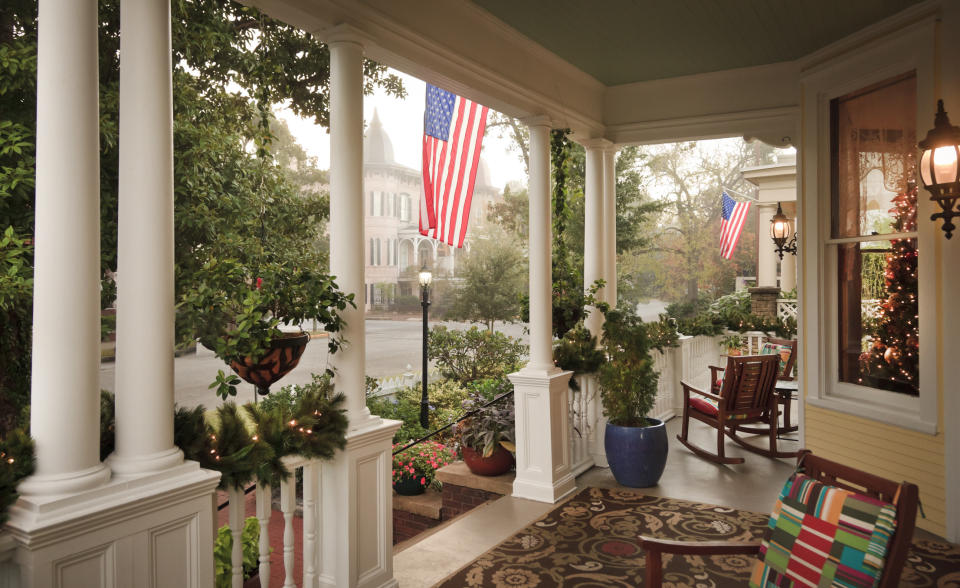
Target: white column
<point x="593" y="246"/>
<point x="541" y="243"/>
<point x="610" y="225"/>
<point x="767" y="252"/>
<point x="540" y="389"/>
<point x="65" y="389"/>
<point x="354" y="547"/>
<point x="145" y="298"/>
<point x="346" y="217"/>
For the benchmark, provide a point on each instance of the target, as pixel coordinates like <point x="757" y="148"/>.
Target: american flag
<point x="731" y="224"/>
<point x="452" y="135"/>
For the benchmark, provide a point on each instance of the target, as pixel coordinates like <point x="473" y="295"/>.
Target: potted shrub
<point x="415" y="468"/>
<point x="636" y="445"/>
<point x="733" y="343"/>
<point x="237" y="308"/>
<point x="487" y="437"/>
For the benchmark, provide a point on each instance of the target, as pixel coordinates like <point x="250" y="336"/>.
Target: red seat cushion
<point x="704" y="406"/>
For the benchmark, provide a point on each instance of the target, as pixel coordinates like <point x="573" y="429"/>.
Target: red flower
<point x="259" y="283"/>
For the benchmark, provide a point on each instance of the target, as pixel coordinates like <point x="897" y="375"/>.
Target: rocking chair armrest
<point x="653" y="544"/>
<point x="687" y="389"/>
<point x="655" y="548"/>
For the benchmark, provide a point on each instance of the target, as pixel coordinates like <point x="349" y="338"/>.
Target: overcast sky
<point x="403" y="122"/>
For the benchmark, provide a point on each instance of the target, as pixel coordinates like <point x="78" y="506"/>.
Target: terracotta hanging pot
<point x="283" y="356"/>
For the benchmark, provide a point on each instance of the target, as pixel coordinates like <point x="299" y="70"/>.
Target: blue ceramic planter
<point x="637" y="455"/>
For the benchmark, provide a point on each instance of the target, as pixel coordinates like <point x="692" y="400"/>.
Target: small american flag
<point x="731" y="224"/>
<point x="452" y="136"/>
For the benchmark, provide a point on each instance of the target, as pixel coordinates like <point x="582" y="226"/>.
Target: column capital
<point x="537" y="120"/>
<point x="598" y="143"/>
<point x="344" y="33"/>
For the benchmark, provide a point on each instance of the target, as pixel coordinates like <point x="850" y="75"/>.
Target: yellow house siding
<point x="884" y="450"/>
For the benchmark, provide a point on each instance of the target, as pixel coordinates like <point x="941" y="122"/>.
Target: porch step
<point x="426" y="505"/>
<point x="459" y="474"/>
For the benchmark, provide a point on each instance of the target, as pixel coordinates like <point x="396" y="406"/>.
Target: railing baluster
<point x="288" y="499"/>
<point x="264" y="509"/>
<point x="310" y="524"/>
<point x="237" y="512"/>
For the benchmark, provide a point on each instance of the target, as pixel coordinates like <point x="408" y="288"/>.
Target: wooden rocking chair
<point x="746" y="396"/>
<point x="904" y="496"/>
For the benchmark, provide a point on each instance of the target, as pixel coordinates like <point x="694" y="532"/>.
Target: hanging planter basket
<point x="284" y="355"/>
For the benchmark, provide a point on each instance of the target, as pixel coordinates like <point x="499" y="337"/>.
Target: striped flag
<point x="452" y="135"/>
<point x="731" y="224"/>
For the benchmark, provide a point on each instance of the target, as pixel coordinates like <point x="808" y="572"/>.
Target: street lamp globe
<point x="425" y="276"/>
<point x="781" y="231"/>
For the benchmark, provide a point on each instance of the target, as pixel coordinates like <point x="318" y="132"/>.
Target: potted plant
<point x="240" y="307"/>
<point x="636" y="444"/>
<point x="415" y="468"/>
<point x="487" y="437"/>
<point x="733" y="343"/>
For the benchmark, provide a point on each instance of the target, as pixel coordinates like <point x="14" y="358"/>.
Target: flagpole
<point x="726" y="189"/>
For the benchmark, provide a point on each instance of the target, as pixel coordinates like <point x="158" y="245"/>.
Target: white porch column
<point x="145" y="298"/>
<point x="610" y="225"/>
<point x="593" y="244"/>
<point x="65" y="389"/>
<point x="540" y="389"/>
<point x="767" y="253"/>
<point x="356" y="539"/>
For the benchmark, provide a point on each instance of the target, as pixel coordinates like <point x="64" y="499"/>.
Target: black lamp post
<point x="782" y="233"/>
<point x="425" y="278"/>
<point x="939" y="169"/>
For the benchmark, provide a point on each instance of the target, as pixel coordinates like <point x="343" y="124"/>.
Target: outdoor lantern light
<point x="781" y="230"/>
<point x="939" y="171"/>
<point x="425" y="278"/>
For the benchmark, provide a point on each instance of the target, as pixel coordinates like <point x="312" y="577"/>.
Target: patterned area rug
<point x="590" y="540"/>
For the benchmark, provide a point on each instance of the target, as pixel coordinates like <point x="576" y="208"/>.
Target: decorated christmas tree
<point x="892" y="360"/>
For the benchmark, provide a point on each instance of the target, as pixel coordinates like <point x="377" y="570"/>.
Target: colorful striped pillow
<point x="784" y="351"/>
<point x="820" y="535"/>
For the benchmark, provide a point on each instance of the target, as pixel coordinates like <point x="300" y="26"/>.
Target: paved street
<point x="391" y="346"/>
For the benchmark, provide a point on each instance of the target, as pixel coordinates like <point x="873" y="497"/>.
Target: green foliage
<point x="16" y="308"/>
<point x="421" y="462"/>
<point x="16" y="463"/>
<point x="491" y="427"/>
<point x="445" y="396"/>
<point x="223" y="552"/>
<point x="467" y="356"/>
<point x="731" y="312"/>
<point x="627" y="379"/>
<point x="578" y="351"/>
<point x="226" y="384"/>
<point x="732" y="342"/>
<point x="493" y="278"/>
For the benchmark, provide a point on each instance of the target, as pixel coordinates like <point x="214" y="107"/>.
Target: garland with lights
<point x="16" y="463"/>
<point x="249" y="442"/>
<point x="892" y="360"/>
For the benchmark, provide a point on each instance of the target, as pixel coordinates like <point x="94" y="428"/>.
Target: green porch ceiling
<point x="624" y="41"/>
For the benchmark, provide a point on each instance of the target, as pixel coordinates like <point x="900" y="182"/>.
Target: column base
<point x="542" y="434"/>
<point x="69" y="483"/>
<point x="356" y="501"/>
<point x="143" y="531"/>
<point x="145" y="464"/>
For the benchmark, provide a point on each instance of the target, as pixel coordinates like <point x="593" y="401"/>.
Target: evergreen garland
<point x="16" y="463"/>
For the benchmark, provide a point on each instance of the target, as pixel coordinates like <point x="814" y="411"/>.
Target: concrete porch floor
<point x="752" y="485"/>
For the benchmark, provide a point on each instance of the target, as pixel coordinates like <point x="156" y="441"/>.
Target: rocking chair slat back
<point x="748" y="383"/>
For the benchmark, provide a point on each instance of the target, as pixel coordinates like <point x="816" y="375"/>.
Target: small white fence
<point x="264" y="512"/>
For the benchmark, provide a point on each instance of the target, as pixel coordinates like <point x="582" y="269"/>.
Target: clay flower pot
<point x="499" y="462"/>
<point x="284" y="355"/>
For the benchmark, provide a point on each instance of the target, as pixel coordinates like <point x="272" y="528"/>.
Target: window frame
<point x="908" y="50"/>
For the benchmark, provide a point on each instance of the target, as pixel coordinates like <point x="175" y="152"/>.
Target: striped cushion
<point x="820" y="535"/>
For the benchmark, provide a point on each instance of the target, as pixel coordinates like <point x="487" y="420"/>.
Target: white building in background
<point x="394" y="248"/>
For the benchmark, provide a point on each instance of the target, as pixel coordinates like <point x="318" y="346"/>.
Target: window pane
<point x="878" y="315"/>
<point x="874" y="146"/>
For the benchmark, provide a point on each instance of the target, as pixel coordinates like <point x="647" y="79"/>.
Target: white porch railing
<point x="787" y="307"/>
<point x="264" y="512"/>
<point x="690" y="361"/>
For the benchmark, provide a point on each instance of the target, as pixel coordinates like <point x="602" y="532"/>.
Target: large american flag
<point x="731" y="224"/>
<point x="452" y="136"/>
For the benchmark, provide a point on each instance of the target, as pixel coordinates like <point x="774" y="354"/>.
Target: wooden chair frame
<point x="747" y="396"/>
<point x="904" y="495"/>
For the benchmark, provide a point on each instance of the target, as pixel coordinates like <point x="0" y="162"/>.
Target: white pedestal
<point x="543" y="435"/>
<point x="356" y="501"/>
<point x="152" y="530"/>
